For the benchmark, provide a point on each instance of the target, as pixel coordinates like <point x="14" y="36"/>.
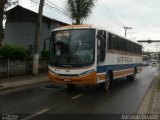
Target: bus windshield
<point x="72" y="48"/>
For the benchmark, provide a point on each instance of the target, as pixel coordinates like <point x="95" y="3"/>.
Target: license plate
<point x="67" y="80"/>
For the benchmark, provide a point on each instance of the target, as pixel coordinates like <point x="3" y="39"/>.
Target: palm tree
<point x="79" y="10"/>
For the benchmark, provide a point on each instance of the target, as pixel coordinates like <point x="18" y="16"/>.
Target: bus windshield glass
<point x="72" y="48"/>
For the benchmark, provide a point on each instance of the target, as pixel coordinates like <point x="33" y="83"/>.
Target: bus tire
<point x="108" y="80"/>
<point x="131" y="77"/>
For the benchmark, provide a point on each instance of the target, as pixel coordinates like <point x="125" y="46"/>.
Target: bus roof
<point x="74" y="27"/>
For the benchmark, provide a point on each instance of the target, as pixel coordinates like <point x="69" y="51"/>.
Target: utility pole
<point x="37" y="38"/>
<point x="126" y="28"/>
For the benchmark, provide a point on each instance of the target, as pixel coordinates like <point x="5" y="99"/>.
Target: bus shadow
<point x="117" y="86"/>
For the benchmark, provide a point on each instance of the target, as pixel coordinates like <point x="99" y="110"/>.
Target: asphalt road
<point x="49" y="99"/>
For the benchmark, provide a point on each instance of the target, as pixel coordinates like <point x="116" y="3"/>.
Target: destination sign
<point x="124" y="59"/>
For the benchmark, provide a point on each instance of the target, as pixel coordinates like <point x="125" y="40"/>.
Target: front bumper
<point x="89" y="79"/>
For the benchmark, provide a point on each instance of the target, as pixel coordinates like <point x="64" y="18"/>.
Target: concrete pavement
<point x="21" y="81"/>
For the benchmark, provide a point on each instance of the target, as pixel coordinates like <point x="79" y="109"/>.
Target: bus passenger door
<point x="101" y="45"/>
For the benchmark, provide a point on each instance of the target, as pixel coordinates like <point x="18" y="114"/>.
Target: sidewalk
<point x="156" y="100"/>
<point x="156" y="104"/>
<point x="21" y="81"/>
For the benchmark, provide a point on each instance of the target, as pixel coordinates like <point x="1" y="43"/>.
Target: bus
<point x="89" y="55"/>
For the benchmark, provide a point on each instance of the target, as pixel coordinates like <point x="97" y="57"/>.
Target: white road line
<point x="76" y="96"/>
<point x="36" y="114"/>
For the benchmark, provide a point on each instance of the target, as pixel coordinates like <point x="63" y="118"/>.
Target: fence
<point x="10" y="68"/>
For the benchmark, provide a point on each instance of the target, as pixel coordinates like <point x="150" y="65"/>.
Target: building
<point x="20" y="28"/>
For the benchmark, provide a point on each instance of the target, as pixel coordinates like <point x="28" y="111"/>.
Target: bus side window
<point x="101" y="45"/>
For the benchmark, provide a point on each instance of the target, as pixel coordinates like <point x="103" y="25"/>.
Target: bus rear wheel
<point x="131" y="77"/>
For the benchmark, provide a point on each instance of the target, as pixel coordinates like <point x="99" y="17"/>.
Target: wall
<point x="23" y="33"/>
<point x="13" y="68"/>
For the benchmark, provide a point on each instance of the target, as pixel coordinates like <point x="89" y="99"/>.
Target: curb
<point x="147" y="101"/>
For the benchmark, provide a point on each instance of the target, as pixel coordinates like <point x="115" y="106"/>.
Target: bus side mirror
<point x="102" y="46"/>
<point x="99" y="37"/>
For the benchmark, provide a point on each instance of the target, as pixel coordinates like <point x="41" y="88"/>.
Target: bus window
<point x="109" y="44"/>
<point x="101" y="45"/>
<point x="114" y="40"/>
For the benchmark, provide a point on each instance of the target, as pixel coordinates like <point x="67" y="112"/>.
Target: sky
<point x="143" y="16"/>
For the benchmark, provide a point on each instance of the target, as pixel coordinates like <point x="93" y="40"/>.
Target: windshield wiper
<point x="66" y="65"/>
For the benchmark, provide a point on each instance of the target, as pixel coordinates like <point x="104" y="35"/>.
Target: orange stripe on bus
<point x="123" y="73"/>
<point x="101" y="77"/>
<point x="139" y="69"/>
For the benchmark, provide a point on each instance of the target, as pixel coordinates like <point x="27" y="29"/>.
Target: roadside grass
<point x="158" y="83"/>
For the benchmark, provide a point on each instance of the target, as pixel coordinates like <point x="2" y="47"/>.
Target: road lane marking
<point x="36" y="114"/>
<point x="76" y="96"/>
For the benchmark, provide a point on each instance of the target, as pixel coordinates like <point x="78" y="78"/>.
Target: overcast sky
<point x="142" y="15"/>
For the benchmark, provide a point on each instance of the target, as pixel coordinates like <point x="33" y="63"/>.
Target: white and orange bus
<point x="88" y="55"/>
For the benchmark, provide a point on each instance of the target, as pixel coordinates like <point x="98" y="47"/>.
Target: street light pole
<point x="148" y="41"/>
<point x="126" y="28"/>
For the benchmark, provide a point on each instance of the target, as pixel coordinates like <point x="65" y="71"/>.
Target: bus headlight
<point x="87" y="72"/>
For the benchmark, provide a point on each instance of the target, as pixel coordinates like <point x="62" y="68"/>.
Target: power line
<point x="52" y="7"/>
<point x="108" y="16"/>
<point x="34" y="1"/>
<point x="55" y="5"/>
<point x="145" y="5"/>
<point x="101" y="8"/>
<point x="102" y="12"/>
<point x="107" y="8"/>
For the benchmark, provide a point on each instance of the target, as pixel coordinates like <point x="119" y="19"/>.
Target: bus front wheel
<point x="107" y="82"/>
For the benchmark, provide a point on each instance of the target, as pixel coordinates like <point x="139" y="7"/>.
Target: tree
<point x="79" y="10"/>
<point x="4" y="4"/>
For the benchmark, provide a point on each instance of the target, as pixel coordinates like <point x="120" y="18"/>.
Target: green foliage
<point x="2" y="32"/>
<point x="79" y="10"/>
<point x="10" y="3"/>
<point x="12" y="52"/>
<point x="45" y="55"/>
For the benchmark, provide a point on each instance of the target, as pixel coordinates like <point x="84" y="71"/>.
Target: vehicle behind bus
<point x="145" y="60"/>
